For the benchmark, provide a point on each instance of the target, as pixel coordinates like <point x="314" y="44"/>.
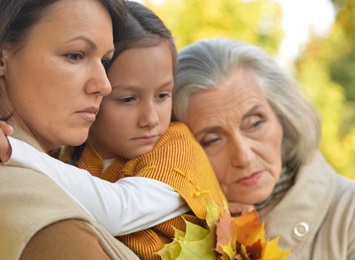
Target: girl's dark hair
<point x="143" y="28"/>
<point x="17" y="17"/>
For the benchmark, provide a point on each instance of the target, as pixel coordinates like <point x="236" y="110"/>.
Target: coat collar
<point x="298" y="216"/>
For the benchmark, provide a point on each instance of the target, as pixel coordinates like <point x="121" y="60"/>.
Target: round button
<point x="301" y="229"/>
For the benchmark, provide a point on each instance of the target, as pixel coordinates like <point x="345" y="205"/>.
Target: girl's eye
<point x="106" y="63"/>
<point x="126" y="100"/>
<point x="163" y="96"/>
<point x="75" y="56"/>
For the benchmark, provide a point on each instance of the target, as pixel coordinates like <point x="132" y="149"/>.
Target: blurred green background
<point x="325" y="65"/>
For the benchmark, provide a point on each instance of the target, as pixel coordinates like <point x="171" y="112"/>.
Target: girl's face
<point x="56" y="81"/>
<point x="241" y="135"/>
<point x="138" y="110"/>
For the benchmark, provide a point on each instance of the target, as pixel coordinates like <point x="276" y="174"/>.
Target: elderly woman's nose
<point x="241" y="152"/>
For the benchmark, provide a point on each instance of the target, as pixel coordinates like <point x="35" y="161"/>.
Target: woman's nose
<point x="241" y="152"/>
<point x="99" y="82"/>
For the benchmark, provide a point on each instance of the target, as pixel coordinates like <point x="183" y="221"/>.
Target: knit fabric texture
<point x="177" y="160"/>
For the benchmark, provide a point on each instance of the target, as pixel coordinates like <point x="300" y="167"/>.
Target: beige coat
<point x="30" y="201"/>
<point x="316" y="217"/>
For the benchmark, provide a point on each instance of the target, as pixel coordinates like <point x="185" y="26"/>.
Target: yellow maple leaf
<point x="272" y="252"/>
<point x="196" y="243"/>
<point x="225" y="238"/>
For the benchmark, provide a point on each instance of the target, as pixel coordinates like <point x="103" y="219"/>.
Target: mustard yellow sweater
<point x="177" y="160"/>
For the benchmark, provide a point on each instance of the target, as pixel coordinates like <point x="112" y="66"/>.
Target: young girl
<point x="133" y="136"/>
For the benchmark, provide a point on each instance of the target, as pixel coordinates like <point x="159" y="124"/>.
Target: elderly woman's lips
<point x="251" y="180"/>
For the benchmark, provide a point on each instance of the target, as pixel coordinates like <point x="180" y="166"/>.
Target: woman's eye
<point x="126" y="100"/>
<point x="75" y="56"/>
<point x="106" y="63"/>
<point x="208" y="142"/>
<point x="252" y="123"/>
<point x="257" y="123"/>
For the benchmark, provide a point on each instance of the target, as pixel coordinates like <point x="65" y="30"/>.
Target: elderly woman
<point x="261" y="137"/>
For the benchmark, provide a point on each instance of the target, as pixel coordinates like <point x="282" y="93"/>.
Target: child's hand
<point x="237" y="209"/>
<point x="5" y="147"/>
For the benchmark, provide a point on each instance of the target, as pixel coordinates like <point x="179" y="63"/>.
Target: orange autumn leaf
<point x="240" y="238"/>
<point x="224" y="231"/>
<point x="255" y="250"/>
<point x="249" y="226"/>
<point x="244" y="238"/>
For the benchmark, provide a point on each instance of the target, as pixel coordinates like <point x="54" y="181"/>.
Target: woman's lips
<point x="251" y="180"/>
<point x="88" y="116"/>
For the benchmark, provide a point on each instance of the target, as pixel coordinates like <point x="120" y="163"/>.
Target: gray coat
<point x="315" y="219"/>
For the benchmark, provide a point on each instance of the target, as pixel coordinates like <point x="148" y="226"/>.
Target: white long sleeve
<point x="131" y="204"/>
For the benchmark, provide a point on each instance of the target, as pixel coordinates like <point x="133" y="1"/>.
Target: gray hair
<point x="207" y="63"/>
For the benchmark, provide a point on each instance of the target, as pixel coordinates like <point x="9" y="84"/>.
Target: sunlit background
<point x="314" y="40"/>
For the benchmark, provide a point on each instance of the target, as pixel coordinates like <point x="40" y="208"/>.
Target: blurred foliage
<point x="257" y="21"/>
<point x="324" y="67"/>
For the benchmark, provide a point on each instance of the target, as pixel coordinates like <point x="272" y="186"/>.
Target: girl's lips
<point x="251" y="180"/>
<point x="146" y="139"/>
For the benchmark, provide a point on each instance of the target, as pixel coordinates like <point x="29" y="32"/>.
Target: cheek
<point x="165" y="115"/>
<point x="219" y="166"/>
<point x="273" y="150"/>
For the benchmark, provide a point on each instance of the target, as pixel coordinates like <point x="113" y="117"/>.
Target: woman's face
<point x="241" y="136"/>
<point x="138" y="110"/>
<point x="56" y="81"/>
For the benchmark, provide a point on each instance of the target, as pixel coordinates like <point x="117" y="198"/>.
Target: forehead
<point x="228" y="104"/>
<point x="143" y="66"/>
<point x="79" y="15"/>
<point x="237" y="92"/>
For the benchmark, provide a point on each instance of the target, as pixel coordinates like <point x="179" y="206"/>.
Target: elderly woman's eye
<point x="257" y="123"/>
<point x="208" y="142"/>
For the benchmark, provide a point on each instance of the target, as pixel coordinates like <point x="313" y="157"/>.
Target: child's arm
<point x="129" y="205"/>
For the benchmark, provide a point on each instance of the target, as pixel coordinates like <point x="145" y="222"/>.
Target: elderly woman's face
<point x="57" y="80"/>
<point x="241" y="135"/>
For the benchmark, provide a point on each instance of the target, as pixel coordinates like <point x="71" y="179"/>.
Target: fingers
<point x="237" y="209"/>
<point x="6" y="128"/>
<point x="5" y="147"/>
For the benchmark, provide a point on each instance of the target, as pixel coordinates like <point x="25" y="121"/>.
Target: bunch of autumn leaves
<point x="226" y="238"/>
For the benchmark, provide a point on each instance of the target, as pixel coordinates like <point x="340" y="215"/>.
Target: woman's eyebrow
<point x="85" y="39"/>
<point x="207" y="129"/>
<point x="252" y="110"/>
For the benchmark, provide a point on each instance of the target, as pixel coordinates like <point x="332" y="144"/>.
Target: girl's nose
<point x="149" y="117"/>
